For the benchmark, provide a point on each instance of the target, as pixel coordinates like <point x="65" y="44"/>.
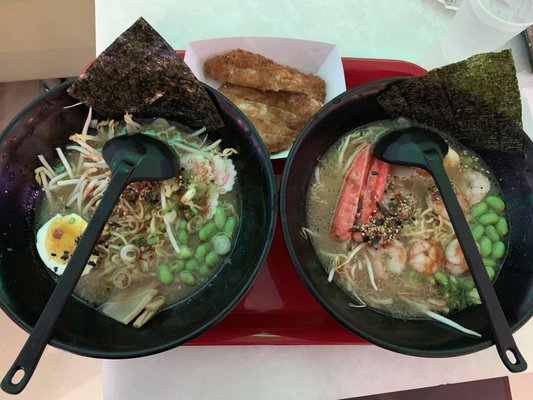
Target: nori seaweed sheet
<point x="140" y="73"/>
<point x="476" y="101"/>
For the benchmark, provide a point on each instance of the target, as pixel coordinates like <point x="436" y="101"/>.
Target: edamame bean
<point x="485" y="246"/>
<point x="501" y="226"/>
<point x="479" y="209"/>
<point x="496" y="203"/>
<point x="491" y="233"/>
<point x="491" y="273"/>
<point x="229" y="227"/>
<point x="219" y="218"/>
<point x="207" y="231"/>
<point x="187" y="277"/>
<point x="177" y="266"/>
<point x="165" y="276"/>
<point x="212" y="259"/>
<point x="498" y="250"/>
<point x="185" y="253"/>
<point x="477" y="231"/>
<point x="488" y="218"/>
<point x="441" y="278"/>
<point x="183" y="237"/>
<point x="201" y="252"/>
<point x="182" y="224"/>
<point x="489" y="262"/>
<point x="191" y="264"/>
<point x="147" y="217"/>
<point x="204" y="270"/>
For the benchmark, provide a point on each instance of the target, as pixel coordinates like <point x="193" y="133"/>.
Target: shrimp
<point x="435" y="202"/>
<point x="455" y="259"/>
<point x="478" y="186"/>
<point x="425" y="256"/>
<point x="390" y="258"/>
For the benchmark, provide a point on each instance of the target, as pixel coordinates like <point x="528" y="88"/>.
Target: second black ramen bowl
<point x="419" y="337"/>
<point x="25" y="284"/>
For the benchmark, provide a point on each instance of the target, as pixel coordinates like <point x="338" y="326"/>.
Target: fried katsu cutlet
<point x="245" y="68"/>
<point x="297" y="103"/>
<point x="277" y="127"/>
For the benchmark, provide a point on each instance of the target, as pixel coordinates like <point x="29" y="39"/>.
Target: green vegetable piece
<point x="165" y="276"/>
<point x="182" y="224"/>
<point x="473" y="297"/>
<point x="183" y="237"/>
<point x="488" y="218"/>
<point x="477" y="231"/>
<point x="491" y="273"/>
<point x="468" y="161"/>
<point x="441" y="278"/>
<point x="185" y="253"/>
<point x="498" y="250"/>
<point x="139" y="242"/>
<point x="147" y="217"/>
<point x="212" y="259"/>
<point x="468" y="283"/>
<point x="501" y="226"/>
<point x="162" y="226"/>
<point x="489" y="262"/>
<point x="230" y="225"/>
<point x="207" y="231"/>
<point x="479" y="209"/>
<point x="204" y="270"/>
<point x="188" y="278"/>
<point x="177" y="266"/>
<point x="221" y="244"/>
<point x="415" y="275"/>
<point x="191" y="265"/>
<point x="496" y="203"/>
<point x="200" y="252"/>
<point x="491" y="233"/>
<point x="485" y="246"/>
<point x="152" y="240"/>
<point x="71" y="220"/>
<point x="219" y="218"/>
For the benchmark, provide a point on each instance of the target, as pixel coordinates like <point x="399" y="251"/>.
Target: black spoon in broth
<point x="131" y="158"/>
<point x="426" y="149"/>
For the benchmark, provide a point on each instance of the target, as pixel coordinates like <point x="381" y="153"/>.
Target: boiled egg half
<point x="57" y="239"/>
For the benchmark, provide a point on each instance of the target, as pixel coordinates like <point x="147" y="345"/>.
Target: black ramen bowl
<point x="25" y="284"/>
<point x="419" y="337"/>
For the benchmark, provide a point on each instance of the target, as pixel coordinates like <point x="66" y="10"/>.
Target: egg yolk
<point x="62" y="237"/>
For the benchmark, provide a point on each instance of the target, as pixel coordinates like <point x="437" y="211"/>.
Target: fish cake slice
<point x="245" y="68"/>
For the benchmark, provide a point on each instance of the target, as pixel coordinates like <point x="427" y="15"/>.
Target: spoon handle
<point x="501" y="332"/>
<point x="30" y="354"/>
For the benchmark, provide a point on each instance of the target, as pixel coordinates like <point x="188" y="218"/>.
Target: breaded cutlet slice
<point x="297" y="103"/>
<point x="272" y="123"/>
<point x="245" y="68"/>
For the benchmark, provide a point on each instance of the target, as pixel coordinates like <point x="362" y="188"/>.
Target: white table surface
<point x="408" y="30"/>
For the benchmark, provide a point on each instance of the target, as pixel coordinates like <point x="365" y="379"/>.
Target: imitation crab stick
<point x="374" y="188"/>
<point x="351" y="191"/>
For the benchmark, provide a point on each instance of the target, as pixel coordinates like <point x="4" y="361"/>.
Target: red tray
<point x="278" y="309"/>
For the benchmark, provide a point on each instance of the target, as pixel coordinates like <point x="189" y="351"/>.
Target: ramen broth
<point x="406" y="259"/>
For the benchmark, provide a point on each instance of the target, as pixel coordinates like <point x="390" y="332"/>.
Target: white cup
<point x="485" y="25"/>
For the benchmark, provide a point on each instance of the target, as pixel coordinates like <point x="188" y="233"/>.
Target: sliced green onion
<point x="221" y="244"/>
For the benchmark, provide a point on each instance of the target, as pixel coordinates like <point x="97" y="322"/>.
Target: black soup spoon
<point x="426" y="149"/>
<point x="131" y="158"/>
